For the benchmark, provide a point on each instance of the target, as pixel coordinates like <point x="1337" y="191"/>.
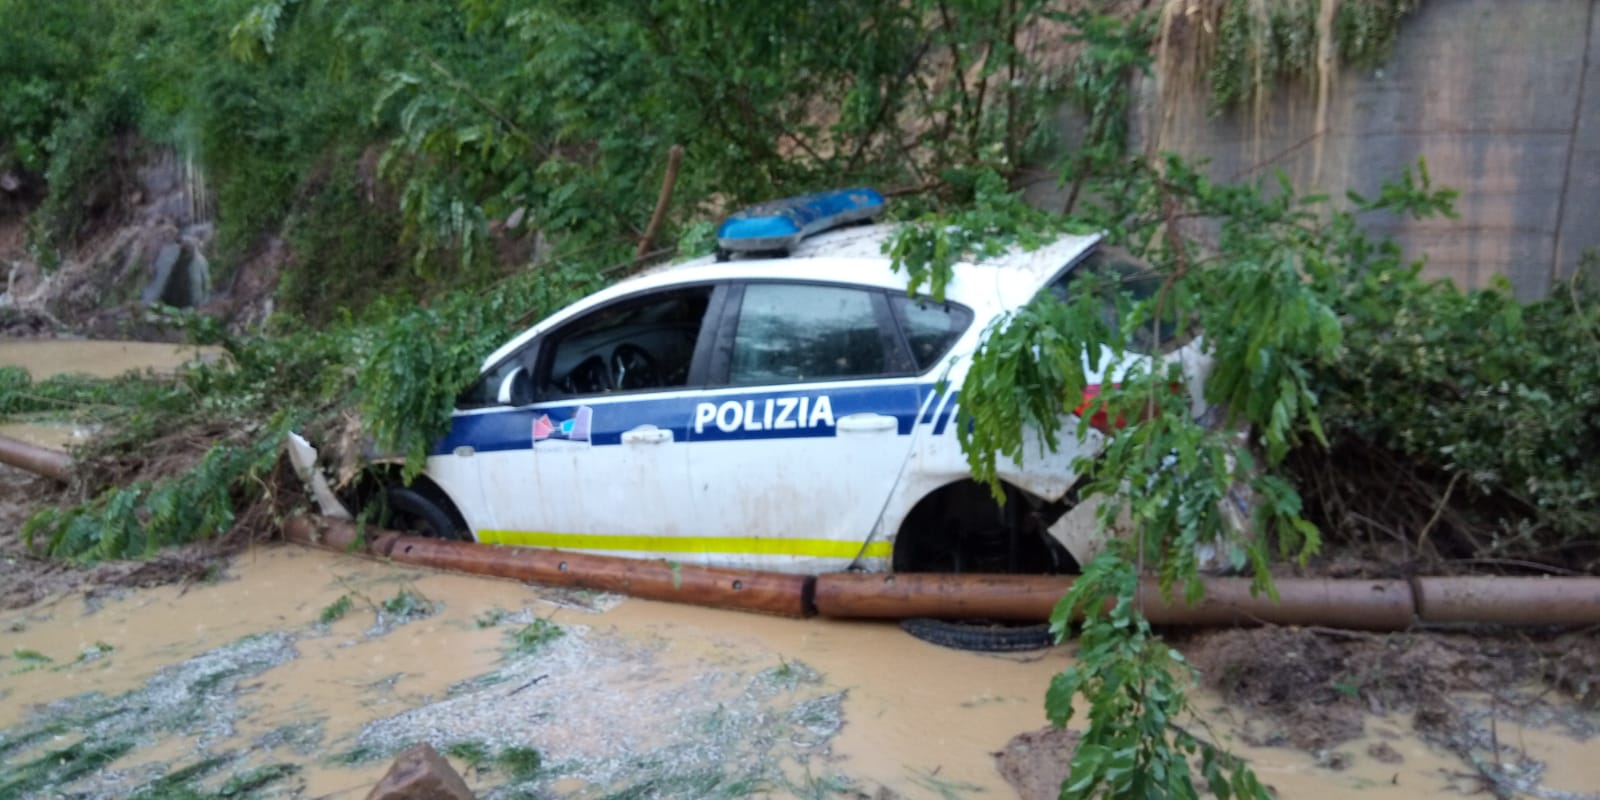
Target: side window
<point x="790" y="333"/>
<point x="930" y="328"/>
<point x="632" y="345"/>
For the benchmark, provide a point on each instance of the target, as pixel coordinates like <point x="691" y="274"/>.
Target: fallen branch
<point x="664" y="199"/>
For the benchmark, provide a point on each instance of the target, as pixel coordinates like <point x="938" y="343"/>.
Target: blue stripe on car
<point x="513" y="428"/>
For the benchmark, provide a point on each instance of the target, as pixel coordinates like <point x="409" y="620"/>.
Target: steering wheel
<point x="589" y="377"/>
<point x="633" y="368"/>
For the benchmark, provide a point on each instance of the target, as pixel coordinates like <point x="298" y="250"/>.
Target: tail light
<point x="1100" y="420"/>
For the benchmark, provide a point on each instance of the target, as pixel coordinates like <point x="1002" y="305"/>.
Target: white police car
<point x="793" y="414"/>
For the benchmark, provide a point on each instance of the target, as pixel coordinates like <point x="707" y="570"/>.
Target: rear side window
<point x="789" y="333"/>
<point x="931" y="328"/>
<point x="1109" y="272"/>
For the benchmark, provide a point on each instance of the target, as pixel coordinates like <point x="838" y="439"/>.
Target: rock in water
<point x="421" y="774"/>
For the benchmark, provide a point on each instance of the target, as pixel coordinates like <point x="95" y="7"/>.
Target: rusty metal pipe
<point x="1335" y="603"/>
<point x="1353" y="604"/>
<point x="873" y="595"/>
<point x="1368" y="605"/>
<point x="33" y="458"/>
<point x="747" y="590"/>
<point x="1488" y="600"/>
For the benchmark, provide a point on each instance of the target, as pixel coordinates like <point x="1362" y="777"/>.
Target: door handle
<point x="867" y="423"/>
<point x="646" y="434"/>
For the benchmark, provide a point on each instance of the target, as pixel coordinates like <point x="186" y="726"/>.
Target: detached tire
<point x="979" y="637"/>
<point x="411" y="511"/>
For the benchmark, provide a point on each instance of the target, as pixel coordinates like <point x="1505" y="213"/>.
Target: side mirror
<point x="516" y="389"/>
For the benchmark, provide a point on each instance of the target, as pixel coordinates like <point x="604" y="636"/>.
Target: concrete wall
<point x="1502" y="97"/>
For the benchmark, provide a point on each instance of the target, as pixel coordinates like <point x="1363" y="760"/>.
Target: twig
<point x="957" y="67"/>
<point x="526" y="685"/>
<point x="1437" y="511"/>
<point x="664" y="199"/>
<point x="1346" y="634"/>
<point x="882" y="111"/>
<point x="975" y="123"/>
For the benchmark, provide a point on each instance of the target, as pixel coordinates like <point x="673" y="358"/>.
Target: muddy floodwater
<point x="323" y="665"/>
<point x="47" y="358"/>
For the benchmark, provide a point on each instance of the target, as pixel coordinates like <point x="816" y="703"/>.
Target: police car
<point x="795" y="413"/>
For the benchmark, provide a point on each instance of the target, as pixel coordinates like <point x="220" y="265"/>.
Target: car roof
<point x="852" y="255"/>
<point x="855" y="255"/>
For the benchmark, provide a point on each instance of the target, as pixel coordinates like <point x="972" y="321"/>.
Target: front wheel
<point x="411" y="511"/>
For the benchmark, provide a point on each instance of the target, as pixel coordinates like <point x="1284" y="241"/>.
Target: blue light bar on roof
<point x="782" y="224"/>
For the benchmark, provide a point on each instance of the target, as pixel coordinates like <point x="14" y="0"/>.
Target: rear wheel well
<point x="961" y="527"/>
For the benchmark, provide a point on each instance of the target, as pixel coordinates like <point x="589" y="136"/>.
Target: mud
<point x="1036" y="762"/>
<point x="45" y="358"/>
<point x="1314" y="689"/>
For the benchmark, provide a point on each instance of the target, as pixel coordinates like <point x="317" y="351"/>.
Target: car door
<point x="797" y="443"/>
<point x="600" y="459"/>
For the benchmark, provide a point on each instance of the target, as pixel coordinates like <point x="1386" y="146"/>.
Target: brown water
<point x="56" y="436"/>
<point x="629" y="674"/>
<point x="45" y="358"/>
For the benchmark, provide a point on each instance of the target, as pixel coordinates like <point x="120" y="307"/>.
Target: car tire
<point x="411" y="511"/>
<point x="980" y="637"/>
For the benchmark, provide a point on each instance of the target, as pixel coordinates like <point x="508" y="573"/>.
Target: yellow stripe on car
<point x="740" y="545"/>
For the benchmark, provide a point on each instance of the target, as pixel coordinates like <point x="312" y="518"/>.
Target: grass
<point x="360" y="754"/>
<point x="336" y="610"/>
<point x="520" y="763"/>
<point x="31" y="656"/>
<point x="474" y="753"/>
<point x="946" y="789"/>
<point x="245" y="783"/>
<point x="702" y="783"/>
<point x="26" y="739"/>
<point x="491" y="618"/>
<point x="529" y="638"/>
<point x="182" y="785"/>
<point x="177" y="784"/>
<point x="409" y="604"/>
<point x="61" y="767"/>
<point x="93" y="652"/>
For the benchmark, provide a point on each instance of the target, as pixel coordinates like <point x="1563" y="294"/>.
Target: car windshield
<point x="1108" y="272"/>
